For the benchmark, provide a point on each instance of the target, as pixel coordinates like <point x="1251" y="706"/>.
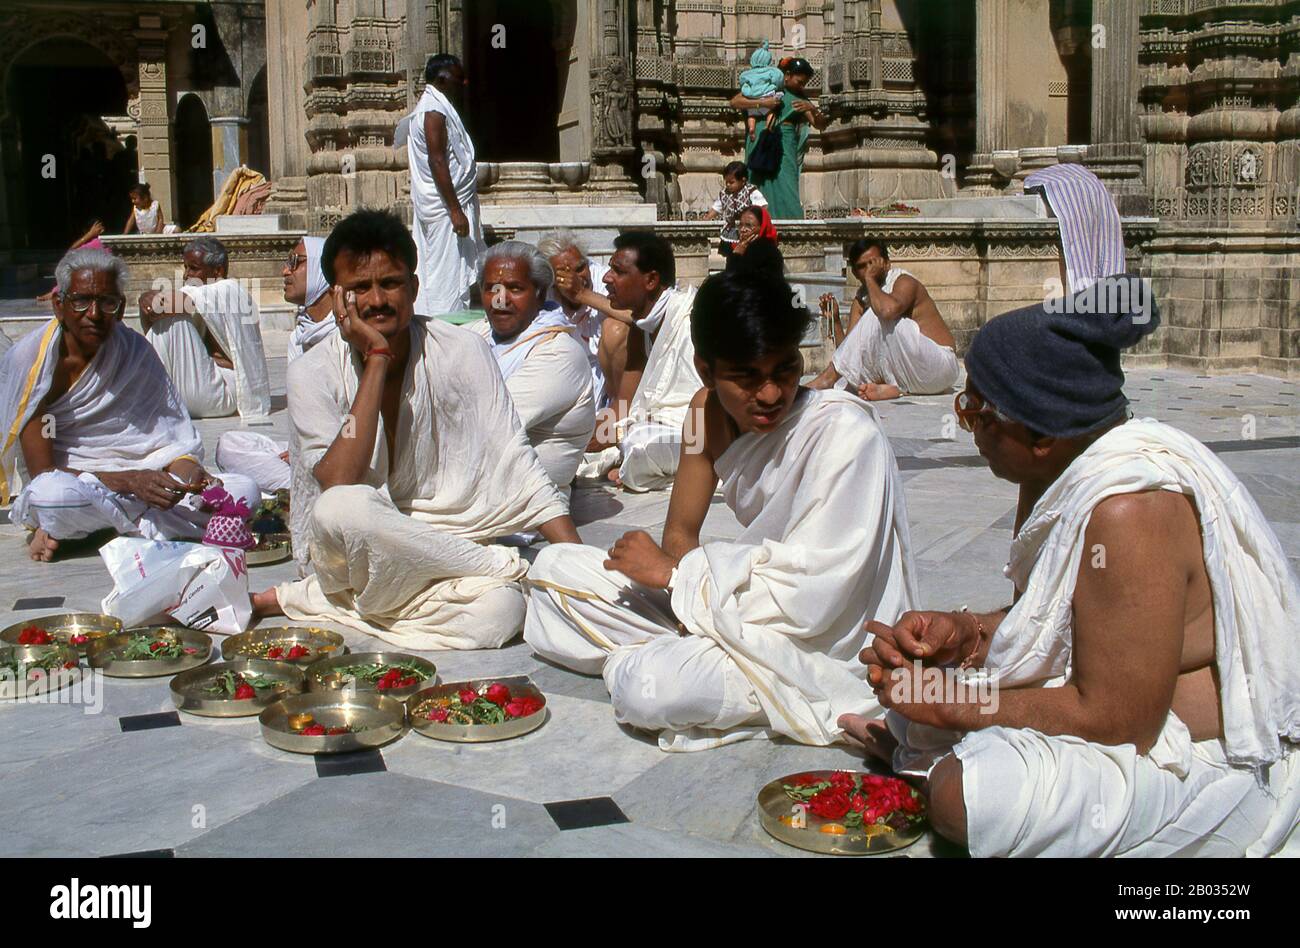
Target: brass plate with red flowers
<point x="301" y="645"/>
<point x="74" y="629"/>
<point x="521" y="708"/>
<point x="842" y="813"/>
<point x="150" y="652"/>
<point x="330" y="722"/>
<point x="236" y="689"/>
<point x="30" y="670"/>
<point x="271" y="548"/>
<point x="392" y="674"/>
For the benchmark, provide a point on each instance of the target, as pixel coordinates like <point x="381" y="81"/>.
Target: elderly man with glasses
<point x="1147" y="674"/>
<point x="88" y="411"/>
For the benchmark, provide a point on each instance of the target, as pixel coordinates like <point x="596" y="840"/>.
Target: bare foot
<point x="42" y="546"/>
<point x="875" y="392"/>
<point x="614" y="477"/>
<point x="266" y="603"/>
<point x="871" y="734"/>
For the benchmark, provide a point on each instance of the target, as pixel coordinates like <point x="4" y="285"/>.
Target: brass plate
<point x="65" y="625"/>
<point x="384" y="720"/>
<point x="272" y="548"/>
<point x="774" y="803"/>
<point x="48" y="683"/>
<point x="102" y="653"/>
<point x="322" y="642"/>
<point x="188" y="694"/>
<point x="477" y="733"/>
<point x="322" y="676"/>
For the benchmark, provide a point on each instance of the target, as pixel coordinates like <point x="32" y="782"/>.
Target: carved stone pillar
<point x="1116" y="154"/>
<point x="155" y="130"/>
<point x="286" y="68"/>
<point x="611" y="83"/>
<point x="992" y="164"/>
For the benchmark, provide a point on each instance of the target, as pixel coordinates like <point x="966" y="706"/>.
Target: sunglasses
<point x="969" y="407"/>
<point x="295" y="261"/>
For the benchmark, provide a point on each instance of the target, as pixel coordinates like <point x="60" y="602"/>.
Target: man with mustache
<point x="103" y="434"/>
<point x="412" y="458"/>
<point x="708" y="643"/>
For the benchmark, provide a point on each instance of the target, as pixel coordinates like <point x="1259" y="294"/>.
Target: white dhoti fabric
<point x="231" y="316"/>
<point x="895" y="352"/>
<point x="403" y="553"/>
<point x="70" y="507"/>
<point x="255" y="456"/>
<point x="1181" y="791"/>
<point x="122" y="413"/>
<point x="406" y="582"/>
<point x="207" y="389"/>
<point x="774" y="619"/>
<point x="448" y="264"/>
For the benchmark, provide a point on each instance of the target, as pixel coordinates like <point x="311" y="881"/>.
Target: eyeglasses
<point x="970" y="406"/>
<point x="108" y="305"/>
<point x="295" y="260"/>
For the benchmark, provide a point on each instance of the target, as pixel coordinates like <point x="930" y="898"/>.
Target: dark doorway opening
<point x="193" y="138"/>
<point x="71" y="169"/>
<point x="513" y="99"/>
<point x="259" y="128"/>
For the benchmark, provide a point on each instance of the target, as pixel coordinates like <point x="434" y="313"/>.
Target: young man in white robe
<point x="444" y="190"/>
<point x="209" y="337"/>
<point x="543" y="364"/>
<point x="576" y="276"/>
<point x="251" y="453"/>
<point x="100" y="429"/>
<point x="897" y="342"/>
<point x="408" y="458"/>
<point x="1148" y="672"/>
<point x="639" y="436"/>
<point x="708" y="643"/>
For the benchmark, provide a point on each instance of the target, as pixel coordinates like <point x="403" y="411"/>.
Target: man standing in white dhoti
<point x="576" y="277"/>
<point x="104" y="439"/>
<point x="252" y="453"/>
<point x="715" y="642"/>
<point x="1149" y="670"/>
<point x="897" y="342"/>
<point x="209" y="337"/>
<point x="444" y="190"/>
<point x="640" y="434"/>
<point x="409" y="458"/>
<point x="544" y="366"/>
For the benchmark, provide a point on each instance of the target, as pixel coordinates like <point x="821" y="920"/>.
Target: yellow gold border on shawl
<point x="32" y="375"/>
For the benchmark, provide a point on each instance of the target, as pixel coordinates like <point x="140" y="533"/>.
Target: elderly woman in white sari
<point x="544" y="366"/>
<point x="208" y="336"/>
<point x="99" y="428"/>
<point x="1147" y="677"/>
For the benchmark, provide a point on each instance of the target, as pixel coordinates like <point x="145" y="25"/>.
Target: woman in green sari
<point x="796" y="113"/>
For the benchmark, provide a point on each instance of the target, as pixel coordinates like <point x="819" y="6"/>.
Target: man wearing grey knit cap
<point x="1141" y="696"/>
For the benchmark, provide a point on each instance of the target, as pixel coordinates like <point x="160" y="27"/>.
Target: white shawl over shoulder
<point x="669" y="381"/>
<point x="231" y="316"/>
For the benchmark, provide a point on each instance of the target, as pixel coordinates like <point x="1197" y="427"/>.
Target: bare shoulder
<point x="1147" y="519"/>
<point x="719" y="431"/>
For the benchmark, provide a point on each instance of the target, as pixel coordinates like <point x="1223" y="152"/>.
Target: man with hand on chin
<point x="708" y="643"/>
<point x="413" y="457"/>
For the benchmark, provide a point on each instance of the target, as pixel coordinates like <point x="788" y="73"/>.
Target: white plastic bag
<point x="202" y="587"/>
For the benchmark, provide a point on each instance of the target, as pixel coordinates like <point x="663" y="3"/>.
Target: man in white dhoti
<point x="640" y="434"/>
<point x="576" y="277"/>
<point x="408" y="457"/>
<point x="715" y="642"/>
<point x="897" y="342"/>
<point x="1149" y="670"/>
<point x="544" y="367"/>
<point x="251" y="453"/>
<point x="99" y="428"/>
<point x="209" y="337"/>
<point x="444" y="190"/>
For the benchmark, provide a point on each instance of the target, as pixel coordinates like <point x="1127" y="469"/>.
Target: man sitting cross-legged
<point x="543" y="364"/>
<point x="897" y="342"/>
<point x="407" y="430"/>
<point x="641" y="432"/>
<point x="208" y="335"/>
<point x="102" y="432"/>
<point x="769" y="622"/>
<point x="1149" y="670"/>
